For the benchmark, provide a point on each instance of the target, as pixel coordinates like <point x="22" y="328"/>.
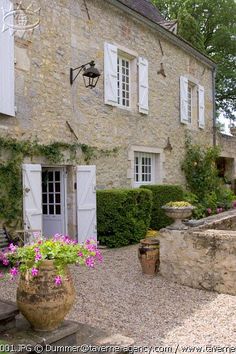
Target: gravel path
<point x="153" y="311"/>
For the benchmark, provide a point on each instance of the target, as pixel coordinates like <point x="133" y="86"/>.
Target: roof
<point x="145" y="8"/>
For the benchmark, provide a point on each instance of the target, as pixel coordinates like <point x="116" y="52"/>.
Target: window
<point x="123" y="81"/>
<point x="119" y="63"/>
<point x="144" y="168"/>
<point x="190" y="102"/>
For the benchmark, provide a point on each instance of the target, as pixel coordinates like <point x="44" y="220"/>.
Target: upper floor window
<point x="118" y="66"/>
<point x="123" y="81"/>
<point x="192" y="102"/>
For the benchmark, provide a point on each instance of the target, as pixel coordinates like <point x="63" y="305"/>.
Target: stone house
<point x="154" y="88"/>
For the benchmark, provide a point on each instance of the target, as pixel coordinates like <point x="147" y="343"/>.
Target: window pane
<point x="51" y="198"/>
<point x="57" y="187"/>
<point x="50" y="187"/>
<point x="50" y="176"/>
<point x="45" y="209"/>
<point x="51" y="209"/>
<point x="58" y="198"/>
<point x="58" y="209"/>
<point x="45" y="198"/>
<point x="57" y="176"/>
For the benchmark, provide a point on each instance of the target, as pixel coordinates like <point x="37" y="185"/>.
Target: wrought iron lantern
<point x="90" y="74"/>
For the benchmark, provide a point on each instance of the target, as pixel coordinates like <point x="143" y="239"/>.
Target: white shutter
<point x="183" y="99"/>
<point x="110" y="74"/>
<point x="32" y="196"/>
<point x="201" y="107"/>
<point x="143" y="85"/>
<point x="7" y="81"/>
<point x="86" y="203"/>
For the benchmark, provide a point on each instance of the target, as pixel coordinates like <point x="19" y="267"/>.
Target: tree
<point x="209" y="25"/>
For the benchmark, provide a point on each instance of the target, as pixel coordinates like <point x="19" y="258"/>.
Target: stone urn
<point x="148" y="254"/>
<point x="43" y="303"/>
<point x="178" y="214"/>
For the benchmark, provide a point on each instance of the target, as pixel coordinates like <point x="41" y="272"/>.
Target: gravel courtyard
<point x="153" y="311"/>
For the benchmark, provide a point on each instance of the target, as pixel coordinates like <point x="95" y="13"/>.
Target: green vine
<point x="11" y="193"/>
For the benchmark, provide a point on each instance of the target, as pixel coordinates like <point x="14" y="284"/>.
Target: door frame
<point x="64" y="176"/>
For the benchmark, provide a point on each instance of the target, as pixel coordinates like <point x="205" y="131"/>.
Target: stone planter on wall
<point x="178" y="214"/>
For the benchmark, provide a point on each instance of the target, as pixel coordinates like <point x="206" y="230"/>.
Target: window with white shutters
<point x="192" y="103"/>
<point x="7" y="92"/>
<point x="118" y="65"/>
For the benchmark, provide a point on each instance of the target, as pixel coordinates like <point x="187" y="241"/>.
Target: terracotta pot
<point x="43" y="303"/>
<point x="178" y="214"/>
<point x="148" y="254"/>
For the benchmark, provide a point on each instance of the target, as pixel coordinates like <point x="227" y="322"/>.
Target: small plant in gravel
<point x="61" y="249"/>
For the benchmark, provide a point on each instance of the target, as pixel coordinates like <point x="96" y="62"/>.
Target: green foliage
<point x="179" y="204"/>
<point x="10" y="169"/>
<point x="123" y="216"/>
<point x="206" y="190"/>
<point x="162" y="194"/>
<point x="209" y="25"/>
<point x="60" y="249"/>
<point x="200" y="169"/>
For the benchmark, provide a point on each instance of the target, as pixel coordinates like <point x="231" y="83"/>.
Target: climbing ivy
<point x="12" y="154"/>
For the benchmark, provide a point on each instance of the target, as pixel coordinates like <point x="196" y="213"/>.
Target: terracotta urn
<point x="148" y="254"/>
<point x="43" y="303"/>
<point x="178" y="214"/>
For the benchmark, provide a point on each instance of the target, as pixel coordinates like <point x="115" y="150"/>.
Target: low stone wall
<point x="201" y="257"/>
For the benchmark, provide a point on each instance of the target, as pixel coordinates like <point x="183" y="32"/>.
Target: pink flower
<point x="1" y="275"/>
<point x="14" y="272"/>
<point x="37" y="250"/>
<point x="91" y="247"/>
<point x="5" y="262"/>
<point x="38" y="257"/>
<point x="99" y="256"/>
<point x="34" y="272"/>
<point x="89" y="262"/>
<point x="58" y="280"/>
<point x="234" y="204"/>
<point x="80" y="254"/>
<point x="12" y="248"/>
<point x="209" y="211"/>
<point x="219" y="210"/>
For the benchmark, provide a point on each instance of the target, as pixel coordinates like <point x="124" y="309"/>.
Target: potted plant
<point x="45" y="291"/>
<point x="178" y="211"/>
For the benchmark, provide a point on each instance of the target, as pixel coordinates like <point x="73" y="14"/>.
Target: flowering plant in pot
<point x="178" y="211"/>
<point x="45" y="292"/>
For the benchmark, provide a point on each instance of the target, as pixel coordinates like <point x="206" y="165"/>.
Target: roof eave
<point x="173" y="38"/>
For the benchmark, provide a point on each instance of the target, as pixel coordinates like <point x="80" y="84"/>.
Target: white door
<point x="32" y="197"/>
<point x="53" y="201"/>
<point x="86" y="203"/>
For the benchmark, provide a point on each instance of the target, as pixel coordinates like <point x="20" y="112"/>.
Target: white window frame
<point x="120" y="82"/>
<point x="190" y="101"/>
<point x="158" y="172"/>
<point x="142" y="169"/>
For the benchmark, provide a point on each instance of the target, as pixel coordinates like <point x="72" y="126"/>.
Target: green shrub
<point x="123" y="216"/>
<point x="206" y="189"/>
<point x="162" y="194"/>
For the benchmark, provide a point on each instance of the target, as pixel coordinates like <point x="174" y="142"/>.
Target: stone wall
<point x="204" y="259"/>
<point x="45" y="100"/>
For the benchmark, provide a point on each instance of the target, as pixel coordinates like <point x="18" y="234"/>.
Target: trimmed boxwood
<point x="163" y="194"/>
<point x="123" y="216"/>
